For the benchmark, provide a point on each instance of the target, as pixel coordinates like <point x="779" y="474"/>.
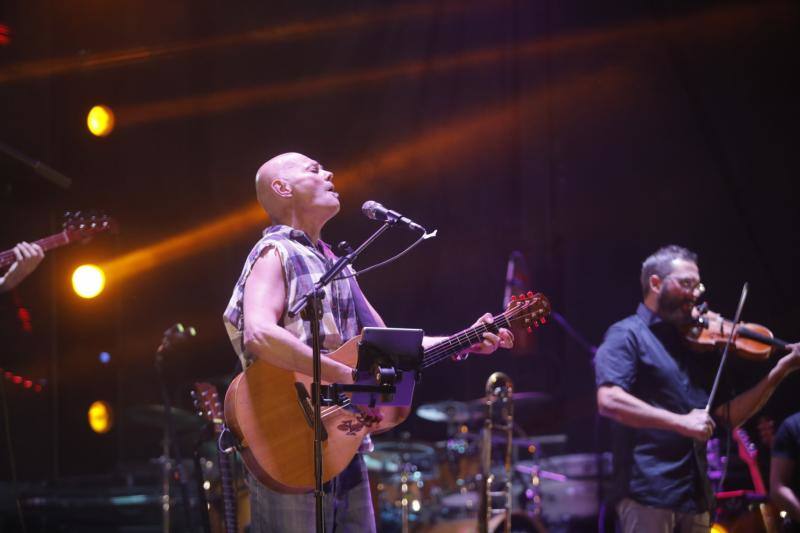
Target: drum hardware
<point x="450" y="412"/>
<point x="567" y="485"/>
<point x="453" y="412"/>
<point x="530" y="443"/>
<point x="390" y="457"/>
<point x="154" y="415"/>
<point x="402" y="475"/>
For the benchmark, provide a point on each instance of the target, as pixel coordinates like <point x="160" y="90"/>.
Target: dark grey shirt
<point x="787" y="446"/>
<point x="647" y="357"/>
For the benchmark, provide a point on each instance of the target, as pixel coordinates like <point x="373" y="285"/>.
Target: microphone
<point x="376" y="211"/>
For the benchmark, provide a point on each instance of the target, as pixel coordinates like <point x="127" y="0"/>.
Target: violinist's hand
<point x="696" y="424"/>
<point x="791" y="361"/>
<point x="491" y="342"/>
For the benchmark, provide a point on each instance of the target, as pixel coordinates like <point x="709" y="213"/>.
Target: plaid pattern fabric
<point x="303" y="265"/>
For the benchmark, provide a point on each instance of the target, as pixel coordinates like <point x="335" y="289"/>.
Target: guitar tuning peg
<point x="530" y="294"/>
<point x="513" y="298"/>
<point x="530" y="330"/>
<point x="535" y="323"/>
<point x="543" y="320"/>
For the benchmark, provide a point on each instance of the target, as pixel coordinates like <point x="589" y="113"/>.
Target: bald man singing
<point x="299" y="195"/>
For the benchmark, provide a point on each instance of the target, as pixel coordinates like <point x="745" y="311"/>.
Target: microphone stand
<point x="171" y="445"/>
<point x="310" y="304"/>
<point x="174" y="335"/>
<point x="49" y="173"/>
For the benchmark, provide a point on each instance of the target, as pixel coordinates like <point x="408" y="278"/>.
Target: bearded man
<point x="655" y="390"/>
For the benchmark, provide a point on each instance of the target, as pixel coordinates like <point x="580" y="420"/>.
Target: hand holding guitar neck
<point x="25" y="257"/>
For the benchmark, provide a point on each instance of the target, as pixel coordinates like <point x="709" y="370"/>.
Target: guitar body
<point x="263" y="410"/>
<point x="273" y="422"/>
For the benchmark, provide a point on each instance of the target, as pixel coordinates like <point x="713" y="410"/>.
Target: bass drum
<point x="520" y="523"/>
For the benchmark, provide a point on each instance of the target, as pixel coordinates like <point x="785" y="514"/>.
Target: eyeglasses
<point x="689" y="284"/>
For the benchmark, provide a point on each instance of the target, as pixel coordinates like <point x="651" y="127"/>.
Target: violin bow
<point x="736" y="318"/>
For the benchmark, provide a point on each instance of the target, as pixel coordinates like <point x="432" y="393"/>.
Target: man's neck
<point x="651" y="302"/>
<point x="309" y="226"/>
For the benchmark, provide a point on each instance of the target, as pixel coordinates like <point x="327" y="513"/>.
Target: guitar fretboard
<point x="228" y="492"/>
<point x="48" y="243"/>
<point x="462" y="340"/>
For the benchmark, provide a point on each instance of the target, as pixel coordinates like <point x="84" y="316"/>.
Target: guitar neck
<point x="461" y="341"/>
<point x="47" y="243"/>
<point x="228" y="492"/>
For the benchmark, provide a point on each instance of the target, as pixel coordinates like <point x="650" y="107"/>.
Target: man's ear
<point x="281" y="187"/>
<point x="655" y="283"/>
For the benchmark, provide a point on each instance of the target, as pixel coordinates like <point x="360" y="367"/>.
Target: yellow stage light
<point x="100" y="120"/>
<point x="88" y="281"/>
<point x="101" y="417"/>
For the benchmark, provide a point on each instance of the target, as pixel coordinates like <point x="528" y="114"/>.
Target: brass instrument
<point x="496" y="493"/>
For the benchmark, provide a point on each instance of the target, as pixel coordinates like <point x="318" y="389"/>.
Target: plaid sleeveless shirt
<point x="303" y="265"/>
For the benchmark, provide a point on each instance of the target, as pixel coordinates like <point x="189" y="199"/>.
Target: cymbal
<point x="153" y="415"/>
<point x="462" y="412"/>
<point x="523" y="400"/>
<point x="450" y="411"/>
<point x="402" y="447"/>
<point x="522" y="442"/>
<point x="391" y="456"/>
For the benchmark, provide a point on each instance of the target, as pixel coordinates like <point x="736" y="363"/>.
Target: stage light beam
<point x="100" y="121"/>
<point x="423" y="153"/>
<point x="88" y="281"/>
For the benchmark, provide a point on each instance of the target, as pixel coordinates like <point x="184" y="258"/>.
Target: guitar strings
<point x="444" y="349"/>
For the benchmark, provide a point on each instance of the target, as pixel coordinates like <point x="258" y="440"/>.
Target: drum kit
<point x="484" y="476"/>
<point x="487" y="468"/>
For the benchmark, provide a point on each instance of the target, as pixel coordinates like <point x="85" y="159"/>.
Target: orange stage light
<point x="100" y="120"/>
<point x="708" y="26"/>
<point x="419" y="155"/>
<point x="88" y="281"/>
<point x="186" y="243"/>
<point x="284" y="32"/>
<point x="100" y="416"/>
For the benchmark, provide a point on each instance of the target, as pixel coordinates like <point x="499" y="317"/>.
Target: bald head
<point x="293" y="182"/>
<point x="274" y="180"/>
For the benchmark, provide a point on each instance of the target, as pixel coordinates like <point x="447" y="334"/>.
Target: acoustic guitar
<point x="266" y="407"/>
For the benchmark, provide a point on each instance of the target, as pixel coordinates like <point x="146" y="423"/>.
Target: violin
<point x="710" y="330"/>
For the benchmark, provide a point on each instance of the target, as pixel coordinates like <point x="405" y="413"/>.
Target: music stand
<point x="387" y="357"/>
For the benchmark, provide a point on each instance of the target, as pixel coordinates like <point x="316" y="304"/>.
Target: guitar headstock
<point x="747" y="450"/>
<point x="531" y="308"/>
<point x="206" y="401"/>
<point x="82" y="225"/>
